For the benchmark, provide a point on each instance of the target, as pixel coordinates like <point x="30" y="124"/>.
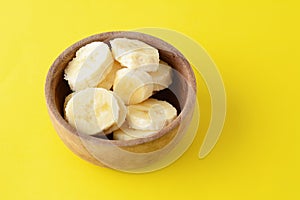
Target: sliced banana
<point x="162" y="78"/>
<point x="135" y="54"/>
<point x="94" y="110"/>
<point x="151" y="114"/>
<point x="120" y="135"/>
<point x="126" y="133"/>
<point x="131" y="133"/>
<point x="91" y="64"/>
<point x="122" y="115"/>
<point x="133" y="85"/>
<point x="108" y="81"/>
<point x="67" y="99"/>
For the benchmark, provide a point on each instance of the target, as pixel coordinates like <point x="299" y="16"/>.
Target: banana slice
<point x="126" y="133"/>
<point x="162" y="78"/>
<point x="151" y="114"/>
<point x="91" y="64"/>
<point x="122" y="115"/>
<point x="67" y="99"/>
<point x="135" y="54"/>
<point x="94" y="110"/>
<point x="120" y="135"/>
<point x="133" y="86"/>
<point x="108" y="81"/>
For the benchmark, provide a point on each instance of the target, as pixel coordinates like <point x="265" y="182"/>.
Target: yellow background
<point x="256" y="47"/>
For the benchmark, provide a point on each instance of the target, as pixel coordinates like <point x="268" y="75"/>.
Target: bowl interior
<point x="177" y="94"/>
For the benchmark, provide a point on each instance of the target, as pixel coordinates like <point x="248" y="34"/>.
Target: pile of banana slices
<point x="112" y="89"/>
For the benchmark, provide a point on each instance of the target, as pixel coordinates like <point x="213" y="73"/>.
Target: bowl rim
<point x="50" y="99"/>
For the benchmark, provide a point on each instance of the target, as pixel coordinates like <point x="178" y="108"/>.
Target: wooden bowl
<point x="117" y="154"/>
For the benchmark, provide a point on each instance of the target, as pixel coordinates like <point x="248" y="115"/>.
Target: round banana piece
<point x="135" y="54"/>
<point x="108" y="81"/>
<point x="133" y="85"/>
<point x="162" y="78"/>
<point x="122" y="115"/>
<point x="120" y="135"/>
<point x="91" y="64"/>
<point x="126" y="133"/>
<point x="93" y="110"/>
<point x="67" y="99"/>
<point x="151" y="114"/>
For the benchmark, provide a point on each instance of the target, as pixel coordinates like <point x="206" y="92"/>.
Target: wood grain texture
<point x="115" y="153"/>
